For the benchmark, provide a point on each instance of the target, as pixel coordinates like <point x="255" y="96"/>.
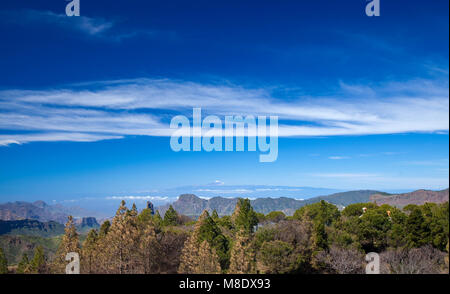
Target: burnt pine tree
<point x="101" y="262"/>
<point x="89" y="253"/>
<point x="69" y="243"/>
<point x="121" y="242"/>
<point x="208" y="261"/>
<point x="197" y="256"/>
<point x="149" y="250"/>
<point x="242" y="259"/>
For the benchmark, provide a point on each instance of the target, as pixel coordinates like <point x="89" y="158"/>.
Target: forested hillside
<point x="31" y="228"/>
<point x="318" y="238"/>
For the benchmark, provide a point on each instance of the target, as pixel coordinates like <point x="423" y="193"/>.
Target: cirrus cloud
<point x="116" y="109"/>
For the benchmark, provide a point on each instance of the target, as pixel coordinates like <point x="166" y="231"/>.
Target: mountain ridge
<point x="417" y="197"/>
<point x="40" y="211"/>
<point x="192" y="205"/>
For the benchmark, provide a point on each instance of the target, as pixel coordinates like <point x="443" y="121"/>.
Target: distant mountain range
<point x="418" y="197"/>
<point x="41" y="211"/>
<point x="248" y="191"/>
<point x="191" y="205"/>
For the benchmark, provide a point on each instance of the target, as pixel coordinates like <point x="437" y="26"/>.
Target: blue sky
<point x="85" y="102"/>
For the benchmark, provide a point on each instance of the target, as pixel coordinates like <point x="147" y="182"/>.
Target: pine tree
<point x="133" y="212"/>
<point x="171" y="217"/>
<point x="69" y="243"/>
<point x="208" y="230"/>
<point x="120" y="243"/>
<point x="104" y="228"/>
<point x="197" y="255"/>
<point x="320" y="236"/>
<point x="149" y="249"/>
<point x="446" y="258"/>
<point x="38" y="264"/>
<point x="189" y="255"/>
<point x="242" y="259"/>
<point x="416" y="228"/>
<point x="89" y="253"/>
<point x="24" y="265"/>
<point x="244" y="217"/>
<point x="243" y="254"/>
<point x="215" y="215"/>
<point x="101" y="262"/>
<point x="208" y="260"/>
<point x="145" y="217"/>
<point x="3" y="263"/>
<point x="157" y="219"/>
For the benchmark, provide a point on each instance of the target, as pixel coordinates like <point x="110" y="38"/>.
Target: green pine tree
<point x="171" y="217"/>
<point x="320" y="236"/>
<point x="38" y="263"/>
<point x="145" y="217"/>
<point x="24" y="265"/>
<point x="158" y="219"/>
<point x="209" y="231"/>
<point x="104" y="228"/>
<point x="3" y="263"/>
<point x="244" y="217"/>
<point x="415" y="226"/>
<point x="206" y="249"/>
<point x="215" y="215"/>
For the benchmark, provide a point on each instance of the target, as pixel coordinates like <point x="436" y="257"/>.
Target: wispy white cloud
<point x="357" y="180"/>
<point x="391" y="153"/>
<point x="434" y="162"/>
<point x="230" y="191"/>
<point x="277" y="189"/>
<point x="344" y="175"/>
<point x="98" y="27"/>
<point x="154" y="198"/>
<point x="338" y="157"/>
<point x="387" y="153"/>
<point x="114" y="109"/>
<point x="83" y="24"/>
<point x="6" y="140"/>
